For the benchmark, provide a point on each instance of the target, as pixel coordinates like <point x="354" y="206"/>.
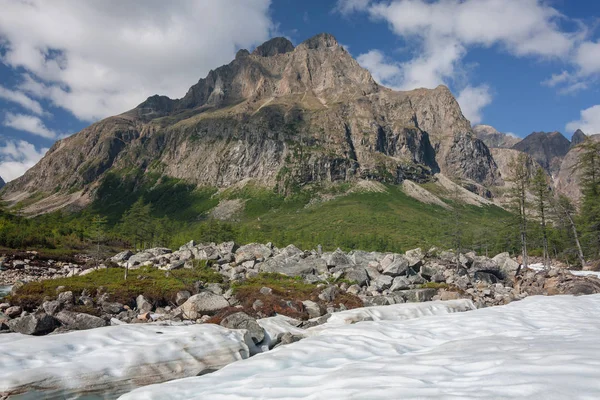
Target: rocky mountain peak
<point x="278" y="45"/>
<point x="494" y="139"/>
<point x="280" y="116"/>
<point x="322" y="40"/>
<point x="547" y="148"/>
<point x="578" y="137"/>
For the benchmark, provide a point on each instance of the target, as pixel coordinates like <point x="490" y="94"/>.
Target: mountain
<point x="578" y="137"/>
<point x="282" y="117"/>
<point x="547" y="148"/>
<point x="494" y="139"/>
<point x="567" y="181"/>
<point x="2" y="183"/>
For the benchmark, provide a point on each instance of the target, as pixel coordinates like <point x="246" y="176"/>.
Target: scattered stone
<point x="33" y="324"/>
<point x="241" y="320"/>
<point x="203" y="303"/>
<point x="143" y="304"/>
<point x="13" y="312"/>
<point x="182" y="296"/>
<point x="312" y="308"/>
<point x="266" y="290"/>
<point x="79" y="321"/>
<point x="66" y="298"/>
<point x="51" y="307"/>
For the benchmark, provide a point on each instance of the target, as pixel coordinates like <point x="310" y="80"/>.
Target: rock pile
<point x="30" y="266"/>
<point x="374" y="278"/>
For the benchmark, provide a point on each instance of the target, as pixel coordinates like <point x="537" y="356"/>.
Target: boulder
<point x="143" y="305"/>
<point x="140" y="258"/>
<point x="337" y="258"/>
<point x="66" y="298"/>
<point x="241" y="320"/>
<point x="252" y="251"/>
<point x="506" y="264"/>
<point x="358" y="275"/>
<point x="418" y="295"/>
<point x="188" y="246"/>
<point x="79" y="321"/>
<point x="51" y="307"/>
<point x="312" y="308"/>
<point x="13" y="312"/>
<point x="486" y="277"/>
<point x="177" y="264"/>
<point x="112" y="308"/>
<point x="382" y="282"/>
<point x="294" y="266"/>
<point x="400" y="283"/>
<point x="182" y="296"/>
<point x="203" y="303"/>
<point x="329" y="293"/>
<point x="33" y="324"/>
<point x="415" y="257"/>
<point x="122" y="256"/>
<point x="206" y="252"/>
<point x="398" y="267"/>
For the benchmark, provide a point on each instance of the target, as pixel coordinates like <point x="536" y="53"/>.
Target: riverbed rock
<point x="79" y="321"/>
<point x="33" y="324"/>
<point x="241" y="320"/>
<point x="203" y="303"/>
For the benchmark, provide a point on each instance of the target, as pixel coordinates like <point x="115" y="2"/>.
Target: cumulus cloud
<point x="472" y="100"/>
<point x="30" y="124"/>
<point x="346" y="7"/>
<point x="589" y="121"/>
<point x="384" y="72"/>
<point x="16" y="157"/>
<point x="21" y="99"/>
<point x="442" y="32"/>
<point x="101" y="58"/>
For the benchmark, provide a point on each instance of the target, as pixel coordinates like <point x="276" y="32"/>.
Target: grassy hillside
<point x="332" y="216"/>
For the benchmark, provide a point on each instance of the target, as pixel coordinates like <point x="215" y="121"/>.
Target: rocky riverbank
<point x="260" y="280"/>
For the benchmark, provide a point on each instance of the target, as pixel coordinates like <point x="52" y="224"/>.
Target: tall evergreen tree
<point x="589" y="169"/>
<point x="519" y="175"/>
<point x="541" y="191"/>
<point x="136" y="224"/>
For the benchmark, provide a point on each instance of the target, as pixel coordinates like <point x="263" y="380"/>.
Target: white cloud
<point x="383" y="71"/>
<point x="346" y="7"/>
<point x="588" y="58"/>
<point x="589" y="121"/>
<point x="102" y="58"/>
<point x="442" y="32"/>
<point x="21" y="99"/>
<point x="29" y="123"/>
<point x="472" y="100"/>
<point x="16" y="157"/>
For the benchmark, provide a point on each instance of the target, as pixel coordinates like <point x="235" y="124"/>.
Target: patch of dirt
<point x="463" y="194"/>
<point x="226" y="210"/>
<point x="423" y="195"/>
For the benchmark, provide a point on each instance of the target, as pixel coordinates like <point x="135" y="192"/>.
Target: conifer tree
<point x="541" y="191"/>
<point x="519" y="175"/>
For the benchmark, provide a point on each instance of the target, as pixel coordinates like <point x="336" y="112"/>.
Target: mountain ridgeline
<point x="281" y="117"/>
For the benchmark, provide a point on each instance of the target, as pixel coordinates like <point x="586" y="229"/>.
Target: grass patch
<point x="434" y="285"/>
<point x="159" y="287"/>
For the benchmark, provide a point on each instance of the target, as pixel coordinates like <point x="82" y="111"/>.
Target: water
<point x="4" y="290"/>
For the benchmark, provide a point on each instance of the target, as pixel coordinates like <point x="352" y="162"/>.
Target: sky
<point x="518" y="65"/>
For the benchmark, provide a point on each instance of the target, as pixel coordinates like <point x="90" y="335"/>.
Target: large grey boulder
<point x="294" y="266"/>
<point x="417" y="295"/>
<point x="336" y="258"/>
<point x="206" y="252"/>
<point x="252" y="251"/>
<point x="312" y="308"/>
<point x="140" y="258"/>
<point x="143" y="304"/>
<point x="79" y="321"/>
<point x="382" y="282"/>
<point x="112" y="308"/>
<point x="182" y="296"/>
<point x="329" y="293"/>
<point x="51" y="307"/>
<point x="507" y="265"/>
<point x="400" y="283"/>
<point x="33" y="324"/>
<point x="398" y="267"/>
<point x="415" y="257"/>
<point x="358" y="275"/>
<point x="241" y="320"/>
<point x="122" y="256"/>
<point x="203" y="303"/>
<point x="66" y="298"/>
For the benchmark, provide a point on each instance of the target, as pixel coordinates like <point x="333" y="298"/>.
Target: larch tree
<point x="540" y="189"/>
<point x="519" y="176"/>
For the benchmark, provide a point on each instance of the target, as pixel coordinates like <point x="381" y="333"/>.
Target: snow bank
<point x="538" y="348"/>
<point x="595" y="274"/>
<point x="113" y="360"/>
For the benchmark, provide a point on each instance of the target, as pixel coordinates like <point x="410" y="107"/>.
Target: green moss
<point x="160" y="287"/>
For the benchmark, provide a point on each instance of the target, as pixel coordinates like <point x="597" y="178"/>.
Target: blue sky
<point x="518" y="65"/>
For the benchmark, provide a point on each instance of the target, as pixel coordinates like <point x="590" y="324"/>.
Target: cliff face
<point x="578" y="138"/>
<point x="494" y="139"/>
<point x="280" y="116"/>
<point x="547" y="148"/>
<point x="567" y="181"/>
